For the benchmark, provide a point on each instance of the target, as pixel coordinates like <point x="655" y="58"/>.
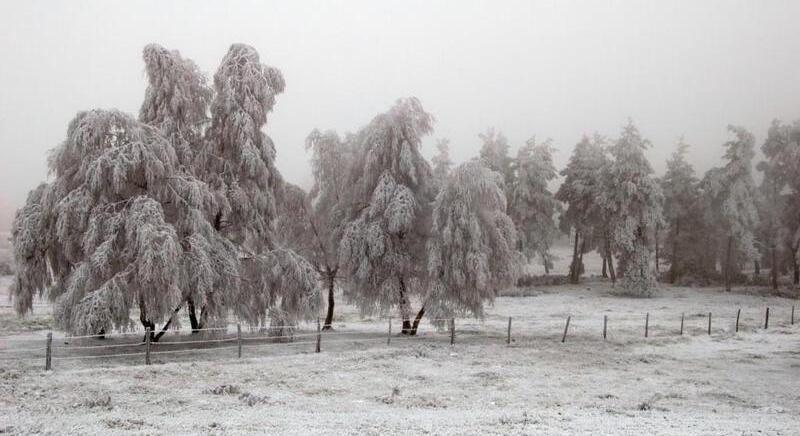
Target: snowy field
<point x="726" y="383"/>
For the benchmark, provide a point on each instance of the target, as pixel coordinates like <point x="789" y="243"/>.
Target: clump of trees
<point x="184" y="207"/>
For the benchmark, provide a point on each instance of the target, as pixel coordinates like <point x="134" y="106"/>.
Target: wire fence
<point x="137" y="347"/>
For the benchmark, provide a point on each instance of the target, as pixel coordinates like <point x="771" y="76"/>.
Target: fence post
<point x="566" y="327"/>
<point x="709" y="323"/>
<point x="452" y="331"/>
<point x="319" y="336"/>
<point x="239" y="338"/>
<point x="49" y="352"/>
<point x="681" y="323"/>
<point x="389" y="336"/>
<point x="646" y="323"/>
<point x="738" y="314"/>
<point x="605" y="326"/>
<point x="766" y="319"/>
<point x="508" y="338"/>
<point x="147" y="346"/>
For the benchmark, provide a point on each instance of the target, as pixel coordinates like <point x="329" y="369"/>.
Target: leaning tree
<point x="388" y="213"/>
<point x="472" y="250"/>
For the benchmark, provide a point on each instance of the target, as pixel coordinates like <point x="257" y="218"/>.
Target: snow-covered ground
<point x="726" y="383"/>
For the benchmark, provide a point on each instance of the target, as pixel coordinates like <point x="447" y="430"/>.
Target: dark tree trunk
<point x="657" y="252"/>
<point x="728" y="264"/>
<point x="673" y="264"/>
<point x="167" y="324"/>
<point x="405" y="308"/>
<point x="580" y="261"/>
<point x="756" y="268"/>
<point x="605" y="268"/>
<point x="146" y="323"/>
<point x="573" y="269"/>
<point x="610" y="261"/>
<point x="331" y="303"/>
<point x="417" y="319"/>
<point x="773" y="272"/>
<point x="192" y="316"/>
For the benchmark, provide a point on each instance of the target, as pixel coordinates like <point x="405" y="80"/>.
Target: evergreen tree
<point x="580" y="191"/>
<point x="533" y="207"/>
<point x="441" y="161"/>
<point x="633" y="200"/>
<point x="680" y="188"/>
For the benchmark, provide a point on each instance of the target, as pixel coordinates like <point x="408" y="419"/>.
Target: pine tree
<point x="780" y="192"/>
<point x="733" y="202"/>
<point x="583" y="184"/>
<point x="389" y="210"/>
<point x="441" y="161"/>
<point x="471" y="252"/>
<point x="494" y="155"/>
<point x="680" y="188"/>
<point x="633" y="200"/>
<point x="533" y="207"/>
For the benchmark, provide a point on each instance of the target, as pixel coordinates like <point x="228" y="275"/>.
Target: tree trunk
<point x="580" y="261"/>
<point x="331" y="303"/>
<point x="192" y="316"/>
<point x="405" y="308"/>
<point x="167" y="324"/>
<point x="417" y="319"/>
<point x="773" y="272"/>
<point x="146" y="323"/>
<point x="657" y="251"/>
<point x="673" y="264"/>
<point x="756" y="268"/>
<point x="573" y="269"/>
<point x="728" y="264"/>
<point x="605" y="268"/>
<point x="610" y="257"/>
<point x="796" y="267"/>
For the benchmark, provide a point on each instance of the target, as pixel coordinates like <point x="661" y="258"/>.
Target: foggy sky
<point x="554" y="69"/>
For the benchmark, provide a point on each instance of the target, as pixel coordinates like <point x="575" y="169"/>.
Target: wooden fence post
<point x="147" y="346"/>
<point x="709" y="323"/>
<point x="605" y="326"/>
<point x="389" y="336"/>
<point x="766" y="319"/>
<point x="319" y="336"/>
<point x="681" y="323"/>
<point x="452" y="331"/>
<point x="239" y="338"/>
<point x="646" y="323"/>
<point x="508" y="337"/>
<point x="566" y="327"/>
<point x="738" y="314"/>
<point x="49" y="352"/>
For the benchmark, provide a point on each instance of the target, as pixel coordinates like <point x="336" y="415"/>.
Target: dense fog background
<point x="554" y="69"/>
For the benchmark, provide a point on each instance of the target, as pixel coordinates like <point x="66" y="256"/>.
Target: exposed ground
<point x="726" y="383"/>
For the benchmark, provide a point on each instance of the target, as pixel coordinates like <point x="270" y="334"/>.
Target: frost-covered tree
<point x="441" y="161"/>
<point x="780" y="191"/>
<point x="633" y="200"/>
<point x="533" y="207"/>
<point x="331" y="160"/>
<point x="494" y="154"/>
<point x="130" y="223"/>
<point x="733" y="205"/>
<point x="176" y="101"/>
<point x="471" y="253"/>
<point x="119" y="227"/>
<point x="237" y="160"/>
<point x="580" y="191"/>
<point x="389" y="211"/>
<point x="680" y="188"/>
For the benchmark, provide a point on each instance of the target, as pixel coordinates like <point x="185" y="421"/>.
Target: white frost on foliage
<point x="471" y="253"/>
